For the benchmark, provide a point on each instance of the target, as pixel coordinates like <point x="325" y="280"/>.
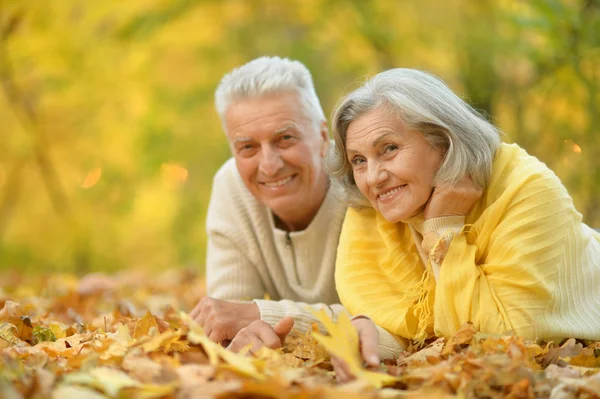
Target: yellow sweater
<point x="525" y="263"/>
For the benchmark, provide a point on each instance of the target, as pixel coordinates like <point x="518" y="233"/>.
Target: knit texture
<point x="524" y="263"/>
<point x="248" y="257"/>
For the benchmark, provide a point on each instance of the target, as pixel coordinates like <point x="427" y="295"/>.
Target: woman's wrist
<point x="438" y="234"/>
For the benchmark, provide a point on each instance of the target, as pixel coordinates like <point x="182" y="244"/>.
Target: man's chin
<point x="283" y="204"/>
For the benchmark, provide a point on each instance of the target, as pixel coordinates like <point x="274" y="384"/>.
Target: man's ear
<point x="324" y="132"/>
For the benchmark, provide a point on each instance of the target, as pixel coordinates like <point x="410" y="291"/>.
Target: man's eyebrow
<point x="285" y="128"/>
<point x="289" y="126"/>
<point x="241" y="140"/>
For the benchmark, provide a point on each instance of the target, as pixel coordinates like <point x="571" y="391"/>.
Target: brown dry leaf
<point x="463" y="337"/>
<point x="587" y="357"/>
<point x="96" y="355"/>
<point x="9" y="336"/>
<point x="96" y="283"/>
<point x="141" y="367"/>
<point x="430" y="354"/>
<point x="568" y="350"/>
<point x="309" y="349"/>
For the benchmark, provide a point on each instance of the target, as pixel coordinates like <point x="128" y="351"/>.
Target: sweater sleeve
<point x="230" y="275"/>
<point x="377" y="263"/>
<point x="302" y="313"/>
<point x="503" y="279"/>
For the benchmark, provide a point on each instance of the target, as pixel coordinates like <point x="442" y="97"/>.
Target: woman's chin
<point x="396" y="215"/>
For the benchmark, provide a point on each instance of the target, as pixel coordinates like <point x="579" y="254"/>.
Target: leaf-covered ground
<point x="128" y="337"/>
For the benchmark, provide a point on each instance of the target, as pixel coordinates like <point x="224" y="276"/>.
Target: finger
<point x="266" y="334"/>
<point x="283" y="328"/>
<point x="243" y="339"/>
<point x="369" y="344"/>
<point x="342" y="371"/>
<point x="216" y="335"/>
<point x="196" y="311"/>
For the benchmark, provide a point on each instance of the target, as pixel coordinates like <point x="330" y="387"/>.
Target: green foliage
<point x="109" y="139"/>
<point x="43" y="334"/>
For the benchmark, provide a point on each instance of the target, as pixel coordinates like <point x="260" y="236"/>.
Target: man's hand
<point x="368" y="339"/>
<point x="260" y="333"/>
<point x="456" y="200"/>
<point x="222" y="320"/>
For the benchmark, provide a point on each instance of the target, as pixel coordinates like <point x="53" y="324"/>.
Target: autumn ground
<point x="127" y="337"/>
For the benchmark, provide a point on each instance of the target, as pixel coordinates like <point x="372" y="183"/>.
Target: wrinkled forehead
<point x="373" y="124"/>
<point x="266" y="115"/>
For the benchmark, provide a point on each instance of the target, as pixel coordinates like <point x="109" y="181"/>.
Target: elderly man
<point x="274" y="218"/>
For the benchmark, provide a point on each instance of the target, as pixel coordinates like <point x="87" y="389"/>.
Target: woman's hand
<point x="368" y="339"/>
<point x="455" y="200"/>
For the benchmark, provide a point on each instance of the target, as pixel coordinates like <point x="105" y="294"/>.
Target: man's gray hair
<point x="269" y="75"/>
<point x="424" y="103"/>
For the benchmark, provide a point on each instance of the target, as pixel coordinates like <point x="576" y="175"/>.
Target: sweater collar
<point x="322" y="218"/>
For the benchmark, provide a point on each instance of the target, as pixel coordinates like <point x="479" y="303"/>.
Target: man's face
<point x="279" y="151"/>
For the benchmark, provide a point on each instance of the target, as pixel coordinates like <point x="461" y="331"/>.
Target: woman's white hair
<point x="424" y="103"/>
<point x="269" y="75"/>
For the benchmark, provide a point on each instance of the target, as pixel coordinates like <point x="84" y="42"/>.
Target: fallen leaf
<point x="145" y="326"/>
<point x="342" y="342"/>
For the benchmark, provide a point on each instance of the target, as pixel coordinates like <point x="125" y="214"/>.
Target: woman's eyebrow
<point x="382" y="137"/>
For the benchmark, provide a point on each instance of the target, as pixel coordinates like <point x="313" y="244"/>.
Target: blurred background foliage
<point x="109" y="139"/>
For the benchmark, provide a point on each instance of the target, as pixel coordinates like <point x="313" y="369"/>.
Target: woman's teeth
<point x="390" y="193"/>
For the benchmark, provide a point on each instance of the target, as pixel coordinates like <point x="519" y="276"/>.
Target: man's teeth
<point x="279" y="182"/>
<point x="390" y="193"/>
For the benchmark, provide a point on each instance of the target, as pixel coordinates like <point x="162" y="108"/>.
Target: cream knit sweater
<point x="248" y="257"/>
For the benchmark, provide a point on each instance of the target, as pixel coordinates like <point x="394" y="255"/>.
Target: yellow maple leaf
<point x="342" y="342"/>
<point x="63" y="391"/>
<point x="167" y="341"/>
<point x="588" y="357"/>
<point x="235" y="362"/>
<point x="145" y="326"/>
<point x="108" y="380"/>
<point x="59" y="330"/>
<point x="195" y="331"/>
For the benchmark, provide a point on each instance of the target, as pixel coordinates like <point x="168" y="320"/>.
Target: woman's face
<point x="393" y="166"/>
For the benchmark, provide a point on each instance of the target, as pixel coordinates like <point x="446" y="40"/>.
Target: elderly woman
<point x="448" y="225"/>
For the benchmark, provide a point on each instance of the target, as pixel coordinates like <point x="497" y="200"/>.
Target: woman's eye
<point x="357" y="161"/>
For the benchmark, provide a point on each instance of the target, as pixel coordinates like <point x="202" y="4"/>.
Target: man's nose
<point x="270" y="161"/>
<point x="376" y="174"/>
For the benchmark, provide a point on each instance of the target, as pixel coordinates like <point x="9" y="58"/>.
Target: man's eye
<point x="246" y="148"/>
<point x="389" y="148"/>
